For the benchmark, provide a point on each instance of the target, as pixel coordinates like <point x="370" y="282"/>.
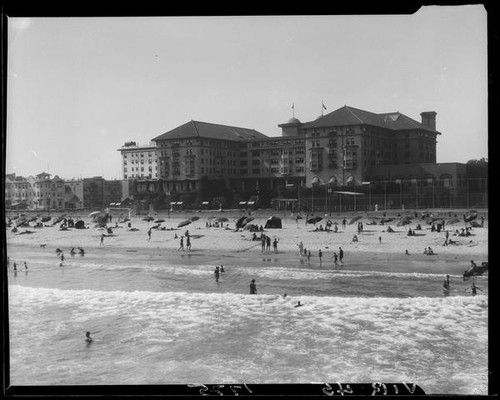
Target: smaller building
<point x="139" y="162"/>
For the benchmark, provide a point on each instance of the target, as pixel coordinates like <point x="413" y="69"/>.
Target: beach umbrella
<point x="184" y="223"/>
<point x="248" y="219"/>
<point x="92" y="214"/>
<point x="20" y="222"/>
<point x="148" y="218"/>
<point x="251" y="227"/>
<point x="471" y="216"/>
<point x="404" y="221"/>
<point x="384" y="220"/>
<point x="475" y="224"/>
<point x="45" y="219"/>
<point x="32" y="219"/>
<point x="222" y="219"/>
<point x="357" y="218"/>
<point x="314" y="220"/>
<point x="159" y="221"/>
<point x="240" y="222"/>
<point x="430" y="220"/>
<point x="452" y="221"/>
<point x="195" y="218"/>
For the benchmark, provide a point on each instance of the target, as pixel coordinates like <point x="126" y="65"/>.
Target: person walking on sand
<point x="102" y="240"/>
<point x="263" y="243"/>
<point x="188" y="243"/>
<point x="62" y="257"/>
<point x="268" y="244"/>
<point x="15" y="266"/>
<point x="253" y="287"/>
<point x="341" y="255"/>
<point x="320" y="255"/>
<point x="181" y="247"/>
<point x="380" y="239"/>
<point x="308" y="255"/>
<point x="149" y="234"/>
<point x="25" y="266"/>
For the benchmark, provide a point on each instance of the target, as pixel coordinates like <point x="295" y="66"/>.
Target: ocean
<point x="159" y="319"/>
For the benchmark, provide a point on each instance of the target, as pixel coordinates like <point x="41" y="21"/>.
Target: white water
<point x="158" y="323"/>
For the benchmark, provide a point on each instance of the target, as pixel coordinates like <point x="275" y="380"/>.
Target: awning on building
<point x="349" y="193"/>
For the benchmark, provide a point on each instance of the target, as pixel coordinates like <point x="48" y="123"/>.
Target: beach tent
<point x="80" y="225"/>
<point x="273" y="223"/>
<point x="159" y="221"/>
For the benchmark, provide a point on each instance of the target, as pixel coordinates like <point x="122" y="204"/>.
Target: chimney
<point x="429" y="119"/>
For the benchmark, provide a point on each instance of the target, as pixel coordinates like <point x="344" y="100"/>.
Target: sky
<point x="79" y="88"/>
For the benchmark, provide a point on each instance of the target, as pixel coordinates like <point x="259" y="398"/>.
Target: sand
<point x="229" y="246"/>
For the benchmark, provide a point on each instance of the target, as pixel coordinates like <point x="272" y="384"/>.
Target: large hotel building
<point x="342" y="148"/>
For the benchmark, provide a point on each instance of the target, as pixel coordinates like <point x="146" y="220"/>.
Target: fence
<point x="396" y="194"/>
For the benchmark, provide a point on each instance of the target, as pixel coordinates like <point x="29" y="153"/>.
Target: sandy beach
<point x="376" y="248"/>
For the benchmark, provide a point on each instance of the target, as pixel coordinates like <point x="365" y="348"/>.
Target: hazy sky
<point x="78" y="88"/>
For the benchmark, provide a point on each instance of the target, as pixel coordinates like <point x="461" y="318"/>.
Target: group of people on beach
<point x="265" y="244"/>
<point x="304" y="252"/>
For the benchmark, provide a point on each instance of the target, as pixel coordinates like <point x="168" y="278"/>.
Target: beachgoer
<point x="298" y="304"/>
<point x="217" y="274"/>
<point x="355" y="238"/>
<point x="446" y="283"/>
<point x="88" y="339"/>
<point x="308" y="255"/>
<point x="268" y="244"/>
<point x="301" y="248"/>
<point x="253" y="287"/>
<point x="320" y="254"/>
<point x="335" y="258"/>
<point x="263" y="243"/>
<point x="472" y="264"/>
<point x="275" y="245"/>
<point x="341" y="255"/>
<point x="102" y="240"/>
<point x="25" y="266"/>
<point x="62" y="257"/>
<point x="149" y="234"/>
<point x="181" y="244"/>
<point x="222" y="268"/>
<point x="407" y="252"/>
<point x="15" y="266"/>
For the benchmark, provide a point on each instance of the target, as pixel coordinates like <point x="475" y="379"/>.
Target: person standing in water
<point x="253" y="287"/>
<point x="217" y="274"/>
<point x="88" y="339"/>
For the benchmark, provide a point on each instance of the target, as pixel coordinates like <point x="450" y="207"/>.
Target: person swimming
<point x="88" y="339"/>
<point x="298" y="304"/>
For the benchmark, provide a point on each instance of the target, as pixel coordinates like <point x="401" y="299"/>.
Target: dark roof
<point x="211" y="131"/>
<point x="346" y="116"/>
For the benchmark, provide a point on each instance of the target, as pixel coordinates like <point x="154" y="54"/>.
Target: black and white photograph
<point x="225" y="202"/>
